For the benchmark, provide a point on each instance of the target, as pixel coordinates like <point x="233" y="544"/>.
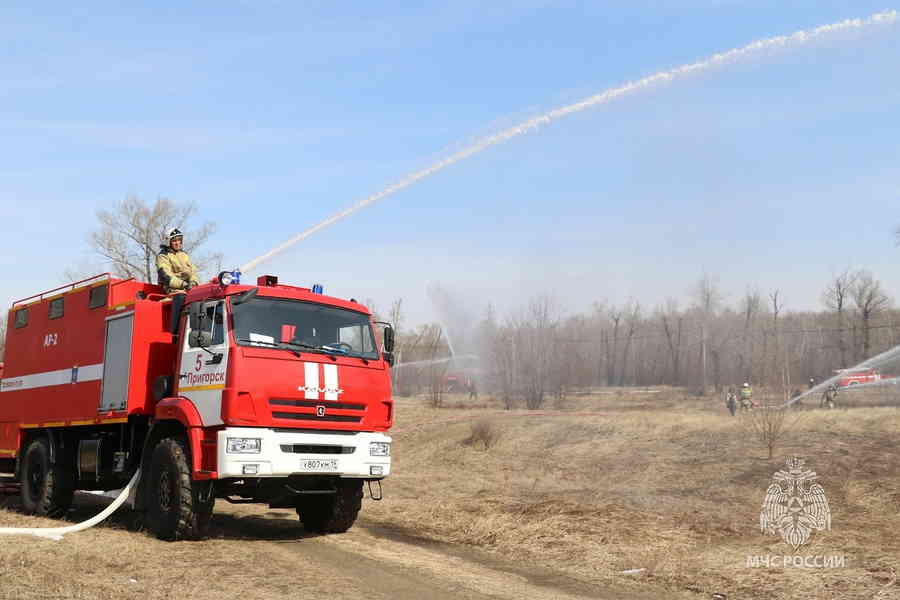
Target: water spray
<point x="886" y="357"/>
<point x="796" y="39"/>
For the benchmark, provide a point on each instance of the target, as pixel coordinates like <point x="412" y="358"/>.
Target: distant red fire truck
<point x="848" y="377"/>
<point x="268" y="393"/>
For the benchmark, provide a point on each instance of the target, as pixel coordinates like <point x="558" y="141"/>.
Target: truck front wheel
<point x="332" y="513"/>
<point x="177" y="507"/>
<point x="47" y="489"/>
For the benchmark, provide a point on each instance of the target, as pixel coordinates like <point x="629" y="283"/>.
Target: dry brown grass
<point x="485" y="433"/>
<point x="664" y="482"/>
<point x="110" y="562"/>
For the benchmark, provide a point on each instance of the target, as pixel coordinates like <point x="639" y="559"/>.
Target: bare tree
<point x="720" y="336"/>
<point x="504" y="355"/>
<point x="415" y="348"/>
<point x="707" y="296"/>
<point x="836" y="297"/>
<point x="130" y="234"/>
<point x="750" y="308"/>
<point x="777" y="308"/>
<point x="673" y="326"/>
<point x="611" y="343"/>
<point x="769" y="422"/>
<point x="869" y="299"/>
<point x="632" y="322"/>
<point x="526" y="361"/>
<point x="759" y="339"/>
<point x="534" y="341"/>
<point x="437" y="369"/>
<point x="495" y="346"/>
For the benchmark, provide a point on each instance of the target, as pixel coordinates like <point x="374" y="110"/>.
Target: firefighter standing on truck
<point x="174" y="268"/>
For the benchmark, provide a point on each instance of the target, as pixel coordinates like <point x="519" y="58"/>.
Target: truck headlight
<point x="379" y="449"/>
<point x="244" y="446"/>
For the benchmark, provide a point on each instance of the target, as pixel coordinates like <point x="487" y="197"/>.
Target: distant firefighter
<point x="472" y="388"/>
<point x="747" y="397"/>
<point x="829" y="397"/>
<point x="731" y="401"/>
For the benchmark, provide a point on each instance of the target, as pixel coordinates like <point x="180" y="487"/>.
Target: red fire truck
<point x="268" y="393"/>
<point x="849" y="377"/>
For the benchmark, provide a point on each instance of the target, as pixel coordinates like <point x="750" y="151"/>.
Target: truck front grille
<point x="313" y="417"/>
<point x="315" y="403"/>
<point x="317" y="411"/>
<point x="316" y="449"/>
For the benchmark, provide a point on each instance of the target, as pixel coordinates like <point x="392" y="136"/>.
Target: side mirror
<point x="195" y="311"/>
<point x="199" y="339"/>
<point x="388" y="338"/>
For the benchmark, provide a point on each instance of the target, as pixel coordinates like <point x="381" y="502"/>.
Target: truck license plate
<point x="319" y="464"/>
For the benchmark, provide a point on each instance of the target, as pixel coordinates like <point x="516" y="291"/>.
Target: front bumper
<point x="283" y="453"/>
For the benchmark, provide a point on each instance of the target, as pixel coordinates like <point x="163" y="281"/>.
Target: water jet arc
<point x="782" y="41"/>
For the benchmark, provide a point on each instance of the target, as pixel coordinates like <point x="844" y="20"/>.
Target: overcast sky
<point x="774" y="173"/>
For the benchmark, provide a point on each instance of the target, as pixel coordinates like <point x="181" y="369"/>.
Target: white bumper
<point x="284" y="453"/>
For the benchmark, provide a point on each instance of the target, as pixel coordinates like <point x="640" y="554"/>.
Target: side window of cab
<point x="213" y="323"/>
<point x="216" y="319"/>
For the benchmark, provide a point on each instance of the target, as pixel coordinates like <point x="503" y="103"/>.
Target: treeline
<point x="537" y="352"/>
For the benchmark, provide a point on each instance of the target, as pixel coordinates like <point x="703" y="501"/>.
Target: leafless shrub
<point x="484" y="432"/>
<point x="769" y="422"/>
<point x="437" y="370"/>
<point x="436" y="387"/>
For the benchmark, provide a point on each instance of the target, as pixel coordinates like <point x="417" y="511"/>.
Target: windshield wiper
<point x="344" y="352"/>
<point x="292" y="346"/>
<point x="337" y="349"/>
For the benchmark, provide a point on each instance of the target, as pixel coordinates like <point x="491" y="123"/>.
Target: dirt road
<point x="373" y="561"/>
<point x="257" y="552"/>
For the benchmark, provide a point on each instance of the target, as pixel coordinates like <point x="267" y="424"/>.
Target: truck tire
<point x="47" y="489"/>
<point x="175" y="509"/>
<point x="332" y="513"/>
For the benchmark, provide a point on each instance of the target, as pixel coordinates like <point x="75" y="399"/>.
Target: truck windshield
<point x="306" y="326"/>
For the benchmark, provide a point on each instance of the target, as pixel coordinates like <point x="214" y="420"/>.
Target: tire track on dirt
<point x="375" y="561"/>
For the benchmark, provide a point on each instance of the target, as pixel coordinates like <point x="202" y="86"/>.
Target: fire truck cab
<point x="268" y="393"/>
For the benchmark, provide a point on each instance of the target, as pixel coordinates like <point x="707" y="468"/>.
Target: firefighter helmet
<point x="174" y="233"/>
<point x="746" y="384"/>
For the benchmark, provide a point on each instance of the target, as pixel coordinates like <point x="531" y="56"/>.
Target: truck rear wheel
<point x="332" y="513"/>
<point x="47" y="489"/>
<point x="177" y="507"/>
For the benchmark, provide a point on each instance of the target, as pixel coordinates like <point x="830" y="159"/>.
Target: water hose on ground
<point x="57" y="533"/>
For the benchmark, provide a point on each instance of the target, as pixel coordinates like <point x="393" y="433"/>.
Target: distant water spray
<point x="779" y="42"/>
<point x="889" y="358"/>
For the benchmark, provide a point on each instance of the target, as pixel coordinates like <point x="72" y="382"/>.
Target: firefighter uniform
<point x="175" y="270"/>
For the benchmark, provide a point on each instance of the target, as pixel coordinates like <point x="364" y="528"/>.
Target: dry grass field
<point x="110" y="561"/>
<point x="600" y="485"/>
<point x="657" y="481"/>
